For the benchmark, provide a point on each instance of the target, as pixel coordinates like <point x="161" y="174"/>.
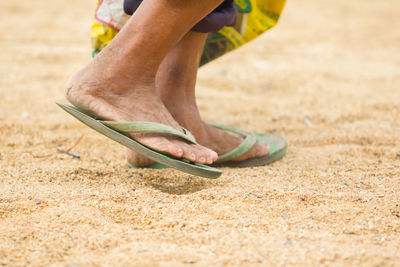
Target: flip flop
<point x="118" y="131"/>
<point x="277" y="145"/>
<point x="277" y="149"/>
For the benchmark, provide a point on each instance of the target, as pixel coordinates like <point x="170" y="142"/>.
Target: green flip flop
<point x="277" y="149"/>
<point x="277" y="145"/>
<point x="118" y="131"/>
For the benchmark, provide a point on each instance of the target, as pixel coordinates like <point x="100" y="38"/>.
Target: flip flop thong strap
<point x="249" y="141"/>
<point x="230" y="129"/>
<point x="149" y="127"/>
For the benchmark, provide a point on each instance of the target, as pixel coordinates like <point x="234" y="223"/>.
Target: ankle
<point x="185" y="114"/>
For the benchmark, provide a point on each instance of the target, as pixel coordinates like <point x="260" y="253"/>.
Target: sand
<point x="327" y="79"/>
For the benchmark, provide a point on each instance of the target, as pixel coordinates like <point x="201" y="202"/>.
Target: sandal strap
<point x="231" y="129"/>
<point x="149" y="127"/>
<point x="249" y="141"/>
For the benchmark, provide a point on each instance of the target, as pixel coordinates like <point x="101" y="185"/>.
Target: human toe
<point x="210" y="155"/>
<point x="162" y="145"/>
<point x="194" y="153"/>
<point x="261" y="149"/>
<point x="188" y="152"/>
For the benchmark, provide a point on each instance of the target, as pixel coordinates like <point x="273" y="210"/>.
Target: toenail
<point x="192" y="156"/>
<point x="202" y="159"/>
<point x="180" y="151"/>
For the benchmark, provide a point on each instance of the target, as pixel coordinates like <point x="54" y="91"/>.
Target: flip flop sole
<point x="188" y="167"/>
<point x="155" y="166"/>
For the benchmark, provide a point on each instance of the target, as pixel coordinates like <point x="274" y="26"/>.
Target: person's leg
<point x="176" y="79"/>
<point x="119" y="84"/>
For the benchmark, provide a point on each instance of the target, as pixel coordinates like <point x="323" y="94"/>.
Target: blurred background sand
<point x="326" y="78"/>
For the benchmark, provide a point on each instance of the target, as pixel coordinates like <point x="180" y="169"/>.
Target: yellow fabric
<point x="101" y="35"/>
<point x="255" y="17"/>
<point x="264" y="15"/>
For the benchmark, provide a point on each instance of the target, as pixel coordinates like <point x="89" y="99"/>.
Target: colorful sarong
<point x="254" y="18"/>
<point x="224" y="15"/>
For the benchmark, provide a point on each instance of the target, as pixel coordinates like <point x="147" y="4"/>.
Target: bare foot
<point x="120" y="98"/>
<point x="176" y="80"/>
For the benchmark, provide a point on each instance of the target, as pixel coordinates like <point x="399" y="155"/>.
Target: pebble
<point x="37" y="201"/>
<point x="285" y="214"/>
<point x="308" y="122"/>
<point x="25" y="115"/>
<point x="288" y="242"/>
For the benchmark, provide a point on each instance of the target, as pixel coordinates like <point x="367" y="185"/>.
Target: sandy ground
<point x="327" y="79"/>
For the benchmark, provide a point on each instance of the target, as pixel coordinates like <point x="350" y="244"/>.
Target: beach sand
<point x="327" y="78"/>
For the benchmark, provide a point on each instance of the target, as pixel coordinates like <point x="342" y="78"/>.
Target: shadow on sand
<point x="177" y="183"/>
